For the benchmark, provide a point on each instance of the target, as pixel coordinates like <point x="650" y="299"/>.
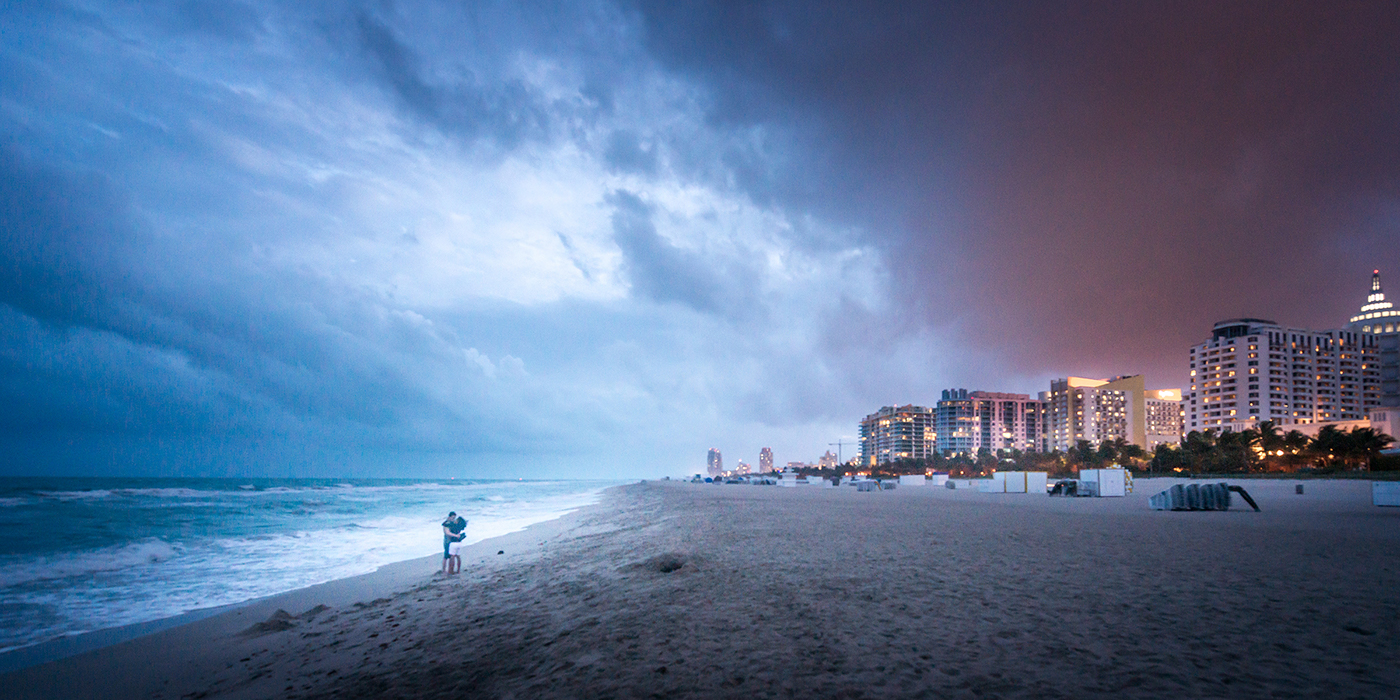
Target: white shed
<point x="1014" y="482"/>
<point x="1104" y="482"/>
<point x="1036" y="481"/>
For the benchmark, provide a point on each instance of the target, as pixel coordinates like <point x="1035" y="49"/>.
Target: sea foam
<point x="105" y="553"/>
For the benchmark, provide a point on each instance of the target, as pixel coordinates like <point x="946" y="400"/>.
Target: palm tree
<point x="1199" y="449"/>
<point x="1165" y="458"/>
<point x="1133" y="454"/>
<point x="960" y="466"/>
<point x="986" y="461"/>
<point x="1107" y="452"/>
<point x="1367" y="443"/>
<point x="936" y="462"/>
<point x="1270" y="440"/>
<point x="1054" y="462"/>
<point x="1295" y="444"/>
<point x="1081" y="455"/>
<point x="1331" y="446"/>
<point x="1235" y="450"/>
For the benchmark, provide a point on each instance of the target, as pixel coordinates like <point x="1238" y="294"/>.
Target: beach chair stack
<point x="1193" y="497"/>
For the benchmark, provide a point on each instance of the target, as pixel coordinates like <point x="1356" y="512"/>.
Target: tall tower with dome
<point x="1381" y="319"/>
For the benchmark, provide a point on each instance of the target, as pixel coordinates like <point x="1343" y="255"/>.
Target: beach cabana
<point x="1104" y="482"/>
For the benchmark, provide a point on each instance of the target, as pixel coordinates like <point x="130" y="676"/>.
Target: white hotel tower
<point x="1253" y="370"/>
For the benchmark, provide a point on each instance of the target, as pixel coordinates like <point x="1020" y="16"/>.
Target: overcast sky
<point x="596" y="239"/>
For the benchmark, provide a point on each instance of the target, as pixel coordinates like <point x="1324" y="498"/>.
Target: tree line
<point x="1265" y="448"/>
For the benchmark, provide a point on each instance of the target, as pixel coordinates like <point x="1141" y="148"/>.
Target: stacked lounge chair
<point x="1199" y="497"/>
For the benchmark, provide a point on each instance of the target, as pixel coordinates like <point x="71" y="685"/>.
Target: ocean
<point x="83" y="554"/>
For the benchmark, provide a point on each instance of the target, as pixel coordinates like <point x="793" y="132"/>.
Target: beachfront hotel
<point x="1165" y="417"/>
<point x="765" y="460"/>
<point x="897" y="432"/>
<point x="1076" y="408"/>
<point x="1253" y="370"/>
<point x="969" y="421"/>
<point x="1108" y="409"/>
<point x="714" y="462"/>
<point x="1381" y="320"/>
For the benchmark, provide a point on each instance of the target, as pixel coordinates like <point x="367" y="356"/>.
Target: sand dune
<point x="680" y="590"/>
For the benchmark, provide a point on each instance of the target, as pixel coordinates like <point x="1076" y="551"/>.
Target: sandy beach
<point x="667" y="589"/>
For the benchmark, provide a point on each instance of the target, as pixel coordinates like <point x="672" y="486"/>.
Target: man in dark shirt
<point x="454" y="530"/>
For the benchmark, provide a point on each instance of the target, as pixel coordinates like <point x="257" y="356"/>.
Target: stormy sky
<point x="596" y="238"/>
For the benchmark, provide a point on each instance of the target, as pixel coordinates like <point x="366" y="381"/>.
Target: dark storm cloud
<point x="657" y="269"/>
<point x="1098" y="181"/>
<point x="626" y="152"/>
<point x="579" y="237"/>
<point x="250" y="242"/>
<point x="95" y="351"/>
<point x="503" y="112"/>
<point x="463" y="106"/>
<point x="63" y="241"/>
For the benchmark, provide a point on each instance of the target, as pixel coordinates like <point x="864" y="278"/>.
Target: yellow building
<point x="1108" y="409"/>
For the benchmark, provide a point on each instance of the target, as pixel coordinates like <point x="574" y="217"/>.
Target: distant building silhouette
<point x="765" y="460"/>
<point x="715" y="463"/>
<point x="743" y="468"/>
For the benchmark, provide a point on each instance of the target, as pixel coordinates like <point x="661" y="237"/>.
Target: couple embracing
<point x="454" y="530"/>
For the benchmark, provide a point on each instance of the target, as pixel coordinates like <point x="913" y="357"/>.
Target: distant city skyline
<point x="1250" y="370"/>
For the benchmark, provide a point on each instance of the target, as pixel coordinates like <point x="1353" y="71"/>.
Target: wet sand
<point x="678" y="590"/>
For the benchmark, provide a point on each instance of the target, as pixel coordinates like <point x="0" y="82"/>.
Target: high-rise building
<point x="1252" y="370"/>
<point x="1380" y="318"/>
<point x="969" y="421"/>
<point x="892" y="433"/>
<point x="1108" y="409"/>
<point x="715" y="463"/>
<point x="1091" y="409"/>
<point x="1164" y="417"/>
<point x="765" y="460"/>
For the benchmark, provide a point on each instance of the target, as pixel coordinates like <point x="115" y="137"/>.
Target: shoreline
<point x="384" y="580"/>
<point x="685" y="590"/>
<point x="170" y="551"/>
